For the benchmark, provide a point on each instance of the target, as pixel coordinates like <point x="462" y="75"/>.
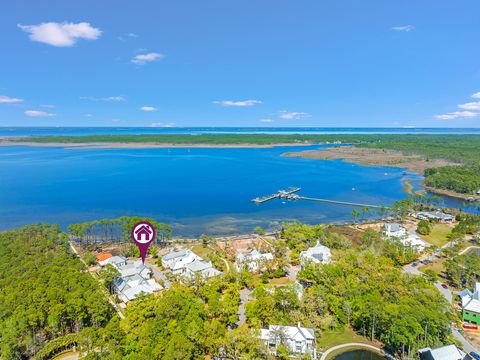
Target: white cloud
<point x="476" y="95"/>
<point x="242" y="103"/>
<point x="116" y="120"/>
<point x="148" y="108"/>
<point x="456" y="114"/>
<point x="48" y="106"/>
<point x="162" y="124"/>
<point x="470" y="106"/>
<point x="36" y="113"/>
<point x="145" y="58"/>
<point x="61" y="34"/>
<point x="88" y="115"/>
<point x="404" y="28"/>
<point x="293" y="115"/>
<point x="127" y="36"/>
<point x="266" y="120"/>
<point x="108" y="98"/>
<point x="9" y="100"/>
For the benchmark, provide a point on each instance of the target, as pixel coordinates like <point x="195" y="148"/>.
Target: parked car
<point x="475" y="355"/>
<point x="445" y="286"/>
<point x="470" y="326"/>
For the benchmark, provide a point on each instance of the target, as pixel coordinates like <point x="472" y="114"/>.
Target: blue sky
<point x="240" y="63"/>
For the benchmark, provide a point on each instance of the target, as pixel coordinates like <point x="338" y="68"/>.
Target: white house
<point x="135" y="278"/>
<point x="297" y="339"/>
<point x="176" y="261"/>
<point x="448" y="352"/>
<point x="200" y="268"/>
<point x="435" y="215"/>
<point x="319" y="254"/>
<point x="394" y="230"/>
<point x="187" y="263"/>
<point x="116" y="261"/>
<point x="128" y="289"/>
<point x="253" y="260"/>
<point x="414" y="241"/>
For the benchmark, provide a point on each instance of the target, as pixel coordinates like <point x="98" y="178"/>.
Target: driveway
<point x="160" y="275"/>
<point x="244" y="297"/>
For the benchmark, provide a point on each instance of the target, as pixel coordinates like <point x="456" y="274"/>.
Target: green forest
<point x="45" y="292"/>
<point x="49" y="302"/>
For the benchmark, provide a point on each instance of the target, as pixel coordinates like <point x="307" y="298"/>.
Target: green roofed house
<point x="471" y="305"/>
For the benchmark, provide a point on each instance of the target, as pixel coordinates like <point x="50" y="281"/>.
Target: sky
<point x="335" y="63"/>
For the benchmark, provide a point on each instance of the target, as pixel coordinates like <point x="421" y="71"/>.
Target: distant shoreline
<point x="131" y="145"/>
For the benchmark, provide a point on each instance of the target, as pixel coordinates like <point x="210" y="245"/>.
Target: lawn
<point x="280" y="281"/>
<point x="202" y="250"/>
<point x="438" y="235"/>
<point x="437" y="266"/>
<point x="332" y="338"/>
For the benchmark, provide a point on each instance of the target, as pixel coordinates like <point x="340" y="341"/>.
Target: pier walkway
<point x="340" y="202"/>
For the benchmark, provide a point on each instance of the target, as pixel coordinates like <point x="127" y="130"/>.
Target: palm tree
<point x="355" y="214"/>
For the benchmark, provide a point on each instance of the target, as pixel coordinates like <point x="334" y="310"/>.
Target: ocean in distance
<point x="72" y="131"/>
<point x="198" y="190"/>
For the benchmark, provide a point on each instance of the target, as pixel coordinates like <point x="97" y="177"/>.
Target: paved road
<point x="355" y="345"/>
<point x="160" y="275"/>
<point x="465" y="344"/>
<point x="446" y="293"/>
<point x="244" y="297"/>
<point x="468" y="249"/>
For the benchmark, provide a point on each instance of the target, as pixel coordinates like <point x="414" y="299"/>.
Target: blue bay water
<point x="195" y="190"/>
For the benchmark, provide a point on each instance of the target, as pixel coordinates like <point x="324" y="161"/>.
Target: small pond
<point x="358" y="355"/>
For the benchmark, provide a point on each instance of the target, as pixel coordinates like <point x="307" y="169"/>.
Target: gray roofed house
<point x="203" y="268"/>
<point x="177" y="261"/>
<point x="135" y="278"/>
<point x="394" y="230"/>
<point x="317" y="254"/>
<point x="176" y="254"/>
<point x="448" y="352"/>
<point x="297" y="339"/>
<point x="435" y="215"/>
<point x="117" y="261"/>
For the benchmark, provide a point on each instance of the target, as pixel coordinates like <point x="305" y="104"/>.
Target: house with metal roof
<point x="448" y="352"/>
<point x="252" y="260"/>
<point x="117" y="261"/>
<point x="299" y="340"/>
<point x="319" y="254"/>
<point x="201" y="268"/>
<point x="471" y="305"/>
<point x="135" y="279"/>
<point x="176" y="261"/>
<point x="435" y="215"/>
<point x="394" y="230"/>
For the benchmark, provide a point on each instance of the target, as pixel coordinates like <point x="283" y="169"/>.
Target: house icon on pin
<point x="143" y="233"/>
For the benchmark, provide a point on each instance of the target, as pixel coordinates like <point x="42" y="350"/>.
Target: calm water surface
<point x="358" y="355"/>
<point x="195" y="190"/>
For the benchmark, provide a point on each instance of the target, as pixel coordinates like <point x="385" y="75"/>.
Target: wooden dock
<point x="280" y="194"/>
<point x="337" y="202"/>
<point x="290" y="194"/>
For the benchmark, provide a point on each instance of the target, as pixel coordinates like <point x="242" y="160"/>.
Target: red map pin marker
<point x="143" y="234"/>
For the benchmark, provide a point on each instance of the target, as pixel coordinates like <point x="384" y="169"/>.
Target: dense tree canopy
<point x="44" y="292"/>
